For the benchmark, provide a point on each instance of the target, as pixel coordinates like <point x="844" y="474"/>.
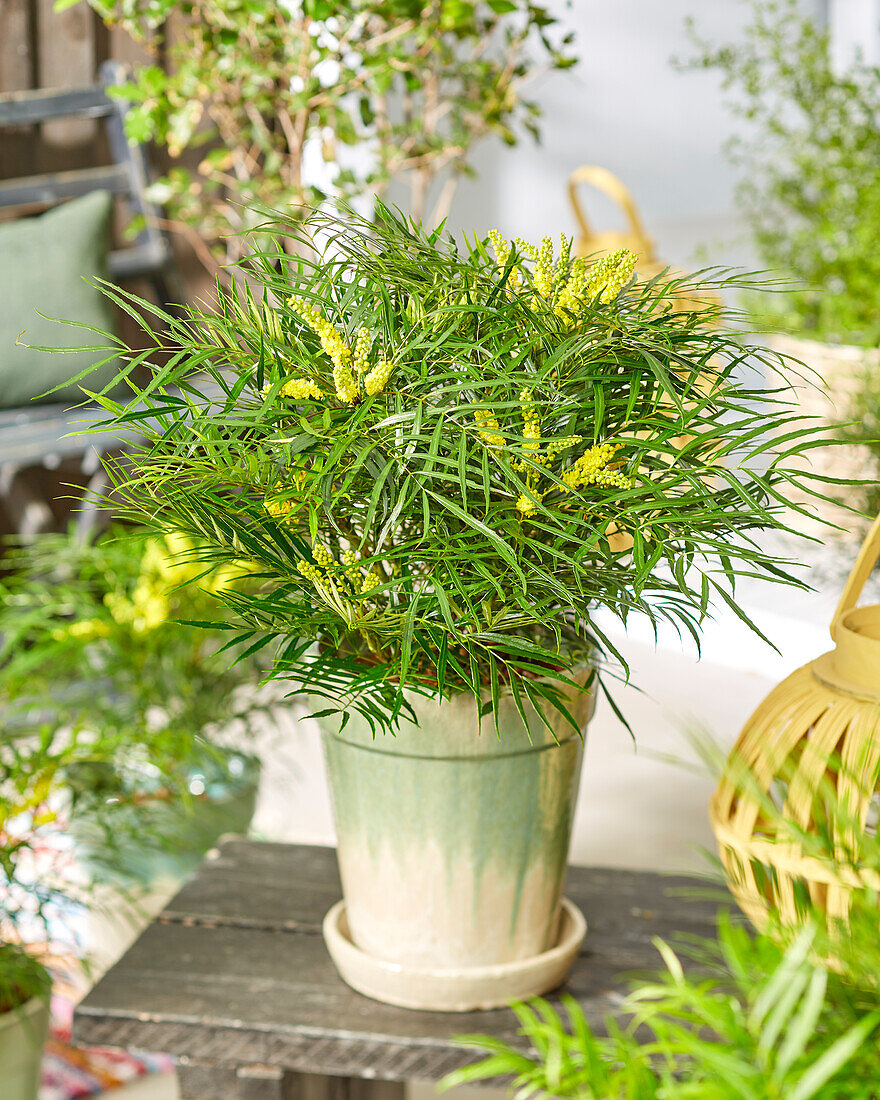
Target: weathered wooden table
<point x="233" y="979"/>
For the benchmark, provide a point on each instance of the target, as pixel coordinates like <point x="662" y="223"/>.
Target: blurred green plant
<point x="766" y="1022"/>
<point x="441" y="463"/>
<point x="119" y="723"/>
<point x="269" y="88"/>
<point x="862" y="427"/>
<point x="808" y="154"/>
<point x="22" y="977"/>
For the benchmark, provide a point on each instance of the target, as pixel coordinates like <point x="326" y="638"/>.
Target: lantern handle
<point x="615" y="189"/>
<point x="861" y="570"/>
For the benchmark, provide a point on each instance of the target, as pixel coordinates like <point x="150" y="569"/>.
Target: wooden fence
<point x="42" y="48"/>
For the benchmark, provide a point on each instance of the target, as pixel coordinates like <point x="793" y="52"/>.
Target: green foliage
<point x="80" y="616"/>
<point x="862" y="427"/>
<point x="441" y="464"/>
<point x="808" y="155"/>
<point x="767" y="1022"/>
<point x="266" y="85"/>
<point x="113" y="713"/>
<point x="22" y="977"/>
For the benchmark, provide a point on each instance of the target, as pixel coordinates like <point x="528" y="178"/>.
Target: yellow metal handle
<point x="861" y="570"/>
<point x="615" y="189"/>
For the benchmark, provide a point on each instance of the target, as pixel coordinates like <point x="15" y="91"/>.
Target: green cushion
<point x="43" y="262"/>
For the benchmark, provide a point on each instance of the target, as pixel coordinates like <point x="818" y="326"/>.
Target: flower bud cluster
<point x="610" y="275"/>
<point x="378" y="377"/>
<point x="335" y="347"/>
<point x="489" y="429"/>
<point x="592" y="469"/>
<point x="300" y="389"/>
<point x="362" y="351"/>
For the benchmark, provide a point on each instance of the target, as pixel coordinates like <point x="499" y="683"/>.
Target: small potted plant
<point x="448" y="469"/>
<point x="809" y="147"/>
<point x="725" y="1019"/>
<point x="24" y="1021"/>
<point x="111" y="714"/>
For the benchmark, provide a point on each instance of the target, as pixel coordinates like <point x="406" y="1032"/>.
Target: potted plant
<point x="809" y="146"/>
<point x="279" y="104"/>
<point x="112" y="738"/>
<point x="442" y="464"/>
<point x="24" y="1021"/>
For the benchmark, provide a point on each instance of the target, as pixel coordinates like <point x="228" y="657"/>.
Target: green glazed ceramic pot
<point x="453" y="842"/>
<point x="23" y="1033"/>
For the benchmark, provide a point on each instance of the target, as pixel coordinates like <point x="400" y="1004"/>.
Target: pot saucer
<point x="461" y="990"/>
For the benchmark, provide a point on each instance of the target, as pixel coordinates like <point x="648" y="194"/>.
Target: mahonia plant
<point x="441" y="463"/>
<point x="260" y="103"/>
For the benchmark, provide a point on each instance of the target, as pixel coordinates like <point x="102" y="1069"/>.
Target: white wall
<point x="855" y="31"/>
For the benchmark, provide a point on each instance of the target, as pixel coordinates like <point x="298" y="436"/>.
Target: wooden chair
<point x="47" y="434"/>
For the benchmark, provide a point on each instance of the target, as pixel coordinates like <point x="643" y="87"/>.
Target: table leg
<point x="211" y="1081"/>
<point x="313" y="1086"/>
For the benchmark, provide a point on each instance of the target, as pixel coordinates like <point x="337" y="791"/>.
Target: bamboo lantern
<point x="812" y="748"/>
<point x="633" y="238"/>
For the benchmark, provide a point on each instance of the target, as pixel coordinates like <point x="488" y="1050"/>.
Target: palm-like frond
<point x="447" y="511"/>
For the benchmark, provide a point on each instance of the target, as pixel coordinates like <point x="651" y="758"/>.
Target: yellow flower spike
<point x="531" y="427"/>
<point x="501" y="247"/>
<point x="369" y="581"/>
<point x="309" y="571"/>
<point x="560" y="276"/>
<point x="526" y="506"/>
<point x="563" y="444"/>
<point x="489" y="429"/>
<point x="300" y="389"/>
<point x="570" y="299"/>
<point x="349" y="559"/>
<point x="591" y="469"/>
<point x="346" y="387"/>
<point x="362" y="351"/>
<point x="377" y="379"/>
<point x="502" y="257"/>
<point x="543" y="277"/>
<point x="334" y="346"/>
<point x="526" y="248"/>
<point x="322" y="555"/>
<point x="610" y="275"/>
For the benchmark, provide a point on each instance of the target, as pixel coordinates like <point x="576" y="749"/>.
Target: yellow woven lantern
<point x="811" y="749"/>
<point x="634" y="239"/>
